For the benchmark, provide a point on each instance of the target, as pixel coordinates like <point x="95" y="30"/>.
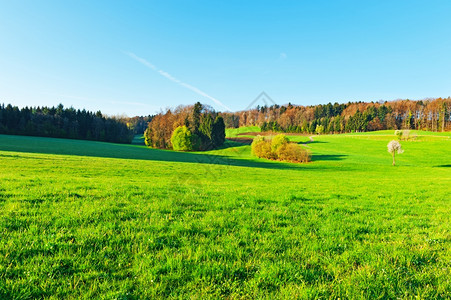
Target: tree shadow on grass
<point x="314" y="142"/>
<point x="443" y="166"/>
<point x="328" y="157"/>
<point x="230" y="143"/>
<point x="138" y="140"/>
<point x="26" y="144"/>
<point x="308" y="143"/>
<point x="238" y="141"/>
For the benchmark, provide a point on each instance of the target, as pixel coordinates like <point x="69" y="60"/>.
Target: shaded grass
<point x="137" y="152"/>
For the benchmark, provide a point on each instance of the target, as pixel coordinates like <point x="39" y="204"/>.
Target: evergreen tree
<point x="195" y="118"/>
<point x="218" y="135"/>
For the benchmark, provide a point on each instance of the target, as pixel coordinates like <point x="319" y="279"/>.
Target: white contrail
<point x="141" y="60"/>
<point x="173" y="79"/>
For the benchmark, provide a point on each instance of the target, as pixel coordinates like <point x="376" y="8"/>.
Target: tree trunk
<point x="393" y="158"/>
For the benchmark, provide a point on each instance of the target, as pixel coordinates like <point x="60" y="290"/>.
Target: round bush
<point x="181" y="139"/>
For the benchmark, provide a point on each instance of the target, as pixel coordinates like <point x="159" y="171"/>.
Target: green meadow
<point x="81" y="219"/>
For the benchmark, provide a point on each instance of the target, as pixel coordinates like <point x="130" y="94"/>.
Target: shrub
<point x="264" y="150"/>
<point x="279" y="148"/>
<point x="293" y="153"/>
<point x="403" y="135"/>
<point x="278" y="141"/>
<point x="181" y="139"/>
<point x="261" y="148"/>
<point x="254" y="144"/>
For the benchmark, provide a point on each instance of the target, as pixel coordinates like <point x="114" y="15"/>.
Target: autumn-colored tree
<point x="375" y="124"/>
<point x="428" y="114"/>
<point x="159" y="131"/>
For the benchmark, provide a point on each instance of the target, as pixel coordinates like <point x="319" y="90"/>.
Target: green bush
<point x="181" y="139"/>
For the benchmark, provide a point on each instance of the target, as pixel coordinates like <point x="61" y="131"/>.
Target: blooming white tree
<point x="394" y="147"/>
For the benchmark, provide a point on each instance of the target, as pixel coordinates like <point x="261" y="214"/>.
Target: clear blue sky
<point x="136" y="57"/>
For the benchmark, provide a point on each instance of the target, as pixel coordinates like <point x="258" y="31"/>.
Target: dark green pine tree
<point x="194" y="123"/>
<point x="218" y="135"/>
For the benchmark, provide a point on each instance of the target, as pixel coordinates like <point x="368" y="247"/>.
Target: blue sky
<point x="137" y="57"/>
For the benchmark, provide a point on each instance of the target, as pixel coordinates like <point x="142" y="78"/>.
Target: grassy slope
<point x="233" y="132"/>
<point x="93" y="219"/>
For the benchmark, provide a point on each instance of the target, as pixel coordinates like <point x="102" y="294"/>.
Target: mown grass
<point x="90" y="220"/>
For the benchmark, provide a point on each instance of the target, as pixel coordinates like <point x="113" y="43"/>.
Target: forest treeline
<point x="70" y="123"/>
<point x="207" y="126"/>
<point x="429" y="114"/>
<point x="199" y="126"/>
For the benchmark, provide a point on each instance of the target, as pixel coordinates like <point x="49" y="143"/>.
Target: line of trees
<point x="63" y="122"/>
<point x="206" y="128"/>
<point x="199" y="123"/>
<point x="137" y="124"/>
<point x="429" y="114"/>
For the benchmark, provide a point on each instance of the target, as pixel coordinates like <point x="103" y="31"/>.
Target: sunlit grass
<point x="97" y="220"/>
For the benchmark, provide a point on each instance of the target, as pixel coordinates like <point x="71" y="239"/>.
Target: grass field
<point x="83" y="219"/>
